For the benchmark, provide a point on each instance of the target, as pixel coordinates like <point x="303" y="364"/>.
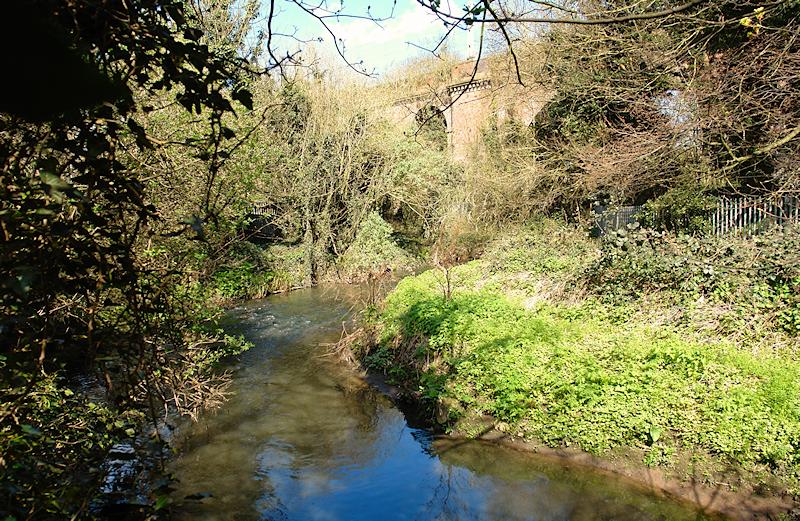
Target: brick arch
<point x="467" y="105"/>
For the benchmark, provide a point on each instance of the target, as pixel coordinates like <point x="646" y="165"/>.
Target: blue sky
<point x="383" y="46"/>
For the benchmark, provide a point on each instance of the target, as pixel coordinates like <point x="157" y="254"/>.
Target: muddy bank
<point x="741" y="505"/>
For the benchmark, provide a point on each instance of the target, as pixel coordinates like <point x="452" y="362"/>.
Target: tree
<point x="649" y="99"/>
<point x="79" y="293"/>
<point x="459" y="241"/>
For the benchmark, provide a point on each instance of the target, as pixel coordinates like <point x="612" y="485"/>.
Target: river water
<point x="304" y="438"/>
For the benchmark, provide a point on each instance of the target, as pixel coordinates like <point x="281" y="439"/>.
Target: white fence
<point x="750" y="215"/>
<point x="742" y="216"/>
<point x="262" y="210"/>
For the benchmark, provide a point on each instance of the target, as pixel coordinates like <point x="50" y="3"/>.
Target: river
<point x="304" y="438"/>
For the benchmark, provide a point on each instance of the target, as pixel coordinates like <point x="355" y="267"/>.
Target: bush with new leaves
<point x="373" y="251"/>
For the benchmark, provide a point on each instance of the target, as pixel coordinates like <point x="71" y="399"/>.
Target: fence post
<point x="728" y="215"/>
<point x="713" y="221"/>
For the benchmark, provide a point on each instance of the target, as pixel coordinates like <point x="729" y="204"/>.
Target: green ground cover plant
<point x="553" y="335"/>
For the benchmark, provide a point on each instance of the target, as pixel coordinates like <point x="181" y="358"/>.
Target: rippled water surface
<point x="305" y="439"/>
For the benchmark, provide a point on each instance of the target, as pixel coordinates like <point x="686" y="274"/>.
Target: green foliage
<point x="543" y="247"/>
<point x="574" y="379"/>
<point x="659" y="456"/>
<point x="122" y="213"/>
<point x="328" y="160"/>
<point x="288" y="267"/>
<point x="642" y="345"/>
<point x="760" y="277"/>
<point x="234" y="283"/>
<point x="101" y="250"/>
<point x="779" y="274"/>
<point x="373" y="250"/>
<point x="684" y="208"/>
<point x="245" y="273"/>
<point x="419" y="178"/>
<point x="432" y="127"/>
<point x="61" y="437"/>
<point x="222" y="346"/>
<point x="636" y="261"/>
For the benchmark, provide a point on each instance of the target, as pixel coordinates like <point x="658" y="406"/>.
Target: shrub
<point x="635" y="261"/>
<point x="245" y="273"/>
<point x="241" y="282"/>
<point x="761" y="276"/>
<point x="547" y="247"/>
<point x="458" y="242"/>
<point x="682" y="208"/>
<point x="373" y="251"/>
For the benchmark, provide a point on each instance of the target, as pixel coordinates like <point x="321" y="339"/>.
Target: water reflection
<point x="305" y="439"/>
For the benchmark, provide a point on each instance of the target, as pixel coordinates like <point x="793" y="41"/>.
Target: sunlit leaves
<point x="75" y="208"/>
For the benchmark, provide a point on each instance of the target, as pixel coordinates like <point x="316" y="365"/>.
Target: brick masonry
<point x="468" y="104"/>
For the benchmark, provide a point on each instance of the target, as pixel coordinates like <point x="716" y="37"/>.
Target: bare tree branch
<point x="587" y="20"/>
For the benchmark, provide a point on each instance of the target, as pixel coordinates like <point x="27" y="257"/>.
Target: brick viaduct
<point x="467" y="105"/>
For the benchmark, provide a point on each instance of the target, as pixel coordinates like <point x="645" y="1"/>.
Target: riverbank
<point x="304" y="435"/>
<point x="657" y="353"/>
<point x="724" y="500"/>
<point x="253" y="271"/>
<point x="729" y="498"/>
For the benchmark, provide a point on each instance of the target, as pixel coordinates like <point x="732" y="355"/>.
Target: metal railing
<point x="738" y="216"/>
<point x="608" y="220"/>
<point x="262" y="210"/>
<point x="750" y="215"/>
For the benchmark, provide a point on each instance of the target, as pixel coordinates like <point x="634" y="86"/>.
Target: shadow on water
<point x="303" y="438"/>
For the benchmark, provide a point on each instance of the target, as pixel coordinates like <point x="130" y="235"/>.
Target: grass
<point x="588" y="371"/>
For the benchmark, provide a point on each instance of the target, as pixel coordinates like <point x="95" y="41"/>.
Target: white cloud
<point x="382" y="47"/>
<point x="407" y="26"/>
